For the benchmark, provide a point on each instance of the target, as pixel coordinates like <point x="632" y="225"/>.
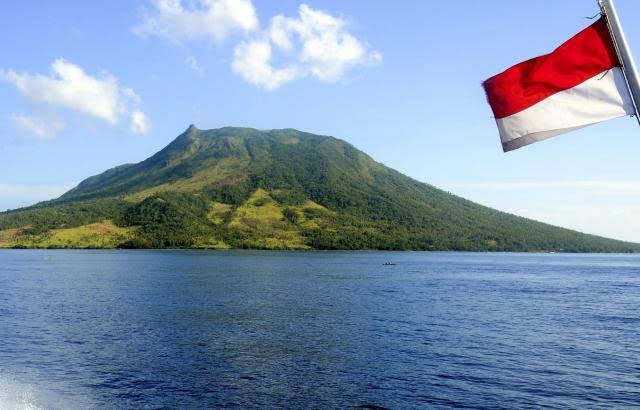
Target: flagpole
<point x="624" y="53"/>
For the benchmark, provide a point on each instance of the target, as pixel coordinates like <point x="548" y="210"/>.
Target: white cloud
<point x="140" y="124"/>
<point x="193" y="64"/>
<point x="313" y="44"/>
<point x="69" y="87"/>
<point x="252" y="62"/>
<point x="40" y="128"/>
<point x="216" y="19"/>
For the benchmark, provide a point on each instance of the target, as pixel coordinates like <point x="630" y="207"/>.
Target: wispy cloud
<point x="193" y="64"/>
<point x="603" y="207"/>
<point x="214" y="19"/>
<point x="140" y="124"/>
<point x="13" y="196"/>
<point x="68" y="87"/>
<point x="42" y="129"/>
<point x="609" y="220"/>
<point x="601" y="186"/>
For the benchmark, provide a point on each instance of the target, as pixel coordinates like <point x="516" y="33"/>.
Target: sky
<point x="88" y="85"/>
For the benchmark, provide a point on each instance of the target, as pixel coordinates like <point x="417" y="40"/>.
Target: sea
<point x="145" y="329"/>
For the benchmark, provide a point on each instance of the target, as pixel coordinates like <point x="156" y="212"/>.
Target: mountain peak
<point x="276" y="189"/>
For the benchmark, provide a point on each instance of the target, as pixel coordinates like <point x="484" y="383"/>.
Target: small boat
<point x="388" y="264"/>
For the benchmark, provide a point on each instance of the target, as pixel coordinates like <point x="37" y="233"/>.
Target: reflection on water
<point x="17" y="395"/>
<point x="104" y="329"/>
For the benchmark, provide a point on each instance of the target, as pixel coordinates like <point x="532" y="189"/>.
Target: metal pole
<point x="624" y="53"/>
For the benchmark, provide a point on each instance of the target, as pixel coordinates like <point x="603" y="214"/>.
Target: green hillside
<point x="276" y="189"/>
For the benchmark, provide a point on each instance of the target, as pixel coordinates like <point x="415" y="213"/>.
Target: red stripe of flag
<point x="585" y="55"/>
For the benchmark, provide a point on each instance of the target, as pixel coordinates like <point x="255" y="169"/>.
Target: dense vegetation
<point x="278" y="189"/>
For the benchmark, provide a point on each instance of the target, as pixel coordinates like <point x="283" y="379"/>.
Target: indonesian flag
<point x="578" y="84"/>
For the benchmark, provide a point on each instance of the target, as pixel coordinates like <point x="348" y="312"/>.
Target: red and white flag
<point x="578" y="84"/>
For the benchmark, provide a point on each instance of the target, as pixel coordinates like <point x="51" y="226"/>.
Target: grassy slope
<point x="238" y="187"/>
<point x="261" y="221"/>
<point x="96" y="235"/>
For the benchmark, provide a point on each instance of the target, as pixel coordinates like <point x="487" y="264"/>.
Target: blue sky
<point x="85" y="86"/>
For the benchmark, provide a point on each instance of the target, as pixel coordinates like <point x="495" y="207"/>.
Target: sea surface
<point x="198" y="329"/>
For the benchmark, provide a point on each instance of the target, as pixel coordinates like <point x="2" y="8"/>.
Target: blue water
<point x="178" y="329"/>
